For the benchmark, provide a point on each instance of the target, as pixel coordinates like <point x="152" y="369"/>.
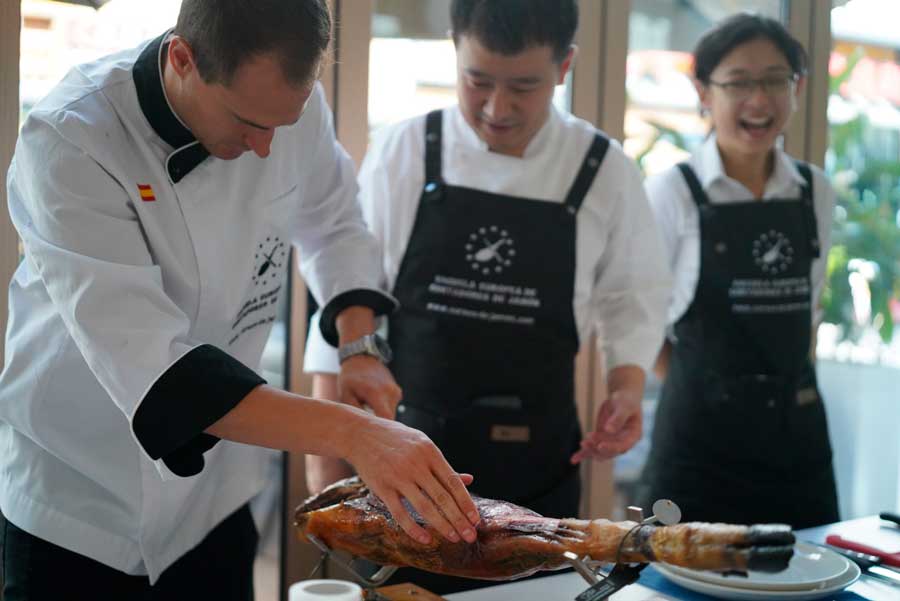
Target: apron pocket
<point x="745" y="418"/>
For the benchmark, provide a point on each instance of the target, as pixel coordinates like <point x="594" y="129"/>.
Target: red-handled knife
<point x="891" y="559"/>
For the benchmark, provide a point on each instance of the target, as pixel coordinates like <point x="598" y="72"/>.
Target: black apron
<point x="485" y="340"/>
<point x="740" y="433"/>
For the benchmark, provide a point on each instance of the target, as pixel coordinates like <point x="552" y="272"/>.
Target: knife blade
<point x="870" y="565"/>
<point x="863" y="560"/>
<point x="890" y="559"/>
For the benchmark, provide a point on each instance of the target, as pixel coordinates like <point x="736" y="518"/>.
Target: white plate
<point x="811" y="567"/>
<point x="743" y="594"/>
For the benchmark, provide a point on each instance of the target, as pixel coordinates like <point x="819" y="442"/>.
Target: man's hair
<point x="225" y="33"/>
<point x="738" y="29"/>
<point x="510" y="26"/>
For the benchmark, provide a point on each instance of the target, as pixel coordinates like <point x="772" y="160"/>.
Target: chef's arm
<point x="322" y="471"/>
<point x="395" y="461"/>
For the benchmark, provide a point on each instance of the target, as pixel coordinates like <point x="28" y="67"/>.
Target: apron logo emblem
<point x="772" y="252"/>
<point x="490" y="250"/>
<point x="269" y="256"/>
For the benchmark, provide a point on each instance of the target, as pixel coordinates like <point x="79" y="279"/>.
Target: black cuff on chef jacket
<point x="194" y="393"/>
<point x="379" y="302"/>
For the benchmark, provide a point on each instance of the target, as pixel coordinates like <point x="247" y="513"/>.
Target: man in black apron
<point x="496" y="396"/>
<point x="740" y="432"/>
<point x="498" y="281"/>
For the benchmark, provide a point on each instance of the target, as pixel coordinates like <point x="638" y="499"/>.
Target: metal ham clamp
<point x="368" y="583"/>
<point x="665" y="512"/>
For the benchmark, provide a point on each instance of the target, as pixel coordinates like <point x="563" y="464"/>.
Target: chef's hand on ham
<point x="397" y="462"/>
<point x="365" y="382"/>
<point x="619" y="421"/>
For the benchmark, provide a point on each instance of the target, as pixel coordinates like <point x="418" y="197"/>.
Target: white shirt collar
<point x="540" y="141"/>
<point x="707" y="163"/>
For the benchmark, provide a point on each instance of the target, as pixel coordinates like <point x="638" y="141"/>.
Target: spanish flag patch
<point x="146" y="191"/>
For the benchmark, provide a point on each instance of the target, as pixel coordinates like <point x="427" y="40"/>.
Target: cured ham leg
<point x="514" y="542"/>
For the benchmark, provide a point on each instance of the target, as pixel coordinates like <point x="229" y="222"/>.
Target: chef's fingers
<point x="349" y="398"/>
<point x="380" y="406"/>
<point x="428" y="509"/>
<point x="381" y="397"/>
<point x="456" y="485"/>
<point x="591" y="453"/>
<point x="452" y="499"/>
<point x="620" y="409"/>
<point x="409" y="525"/>
<point x="601" y="446"/>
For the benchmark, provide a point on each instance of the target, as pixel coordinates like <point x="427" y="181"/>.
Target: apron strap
<point x="433" y="179"/>
<point x="697" y="193"/>
<point x="807" y="197"/>
<point x="589" y="167"/>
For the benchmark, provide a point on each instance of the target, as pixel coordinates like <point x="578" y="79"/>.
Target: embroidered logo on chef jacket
<point x="490" y="250"/>
<point x="146" y="192"/>
<point x="261" y="308"/>
<point x="773" y="252"/>
<point x="269" y="256"/>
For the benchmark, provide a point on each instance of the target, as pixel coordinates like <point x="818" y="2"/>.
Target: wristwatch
<point x="371" y="344"/>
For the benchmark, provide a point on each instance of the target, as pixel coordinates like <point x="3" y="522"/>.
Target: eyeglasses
<point x="772" y="85"/>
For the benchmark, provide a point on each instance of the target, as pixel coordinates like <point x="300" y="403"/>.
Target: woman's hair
<point x="738" y="29"/>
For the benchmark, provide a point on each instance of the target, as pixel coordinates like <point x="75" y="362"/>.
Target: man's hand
<point x="364" y="381"/>
<point x="398" y="462"/>
<point x="619" y="420"/>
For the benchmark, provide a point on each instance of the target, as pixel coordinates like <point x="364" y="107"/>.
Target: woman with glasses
<point x="740" y="431"/>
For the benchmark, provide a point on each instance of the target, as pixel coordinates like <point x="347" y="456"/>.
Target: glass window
<point x="858" y="343"/>
<point x="662" y="121"/>
<point x="412" y="62"/>
<point x="56" y="36"/>
<point x="862" y="301"/>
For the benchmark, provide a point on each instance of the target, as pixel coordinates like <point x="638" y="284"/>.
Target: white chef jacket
<point x="676" y="213"/>
<point x="140" y="311"/>
<point x="621" y="278"/>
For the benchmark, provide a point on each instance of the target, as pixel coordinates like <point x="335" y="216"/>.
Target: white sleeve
<point x="824" y="199"/>
<point x="339" y="258"/>
<point x="82" y="236"/>
<point x="665" y="213"/>
<point x="633" y="282"/>
<point x="319" y="355"/>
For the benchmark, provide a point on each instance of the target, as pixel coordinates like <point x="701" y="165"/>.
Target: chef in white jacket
<point x="156" y="249"/>
<point x="510" y="231"/>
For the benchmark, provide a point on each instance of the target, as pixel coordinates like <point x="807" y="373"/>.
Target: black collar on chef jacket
<point x="147" y="73"/>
